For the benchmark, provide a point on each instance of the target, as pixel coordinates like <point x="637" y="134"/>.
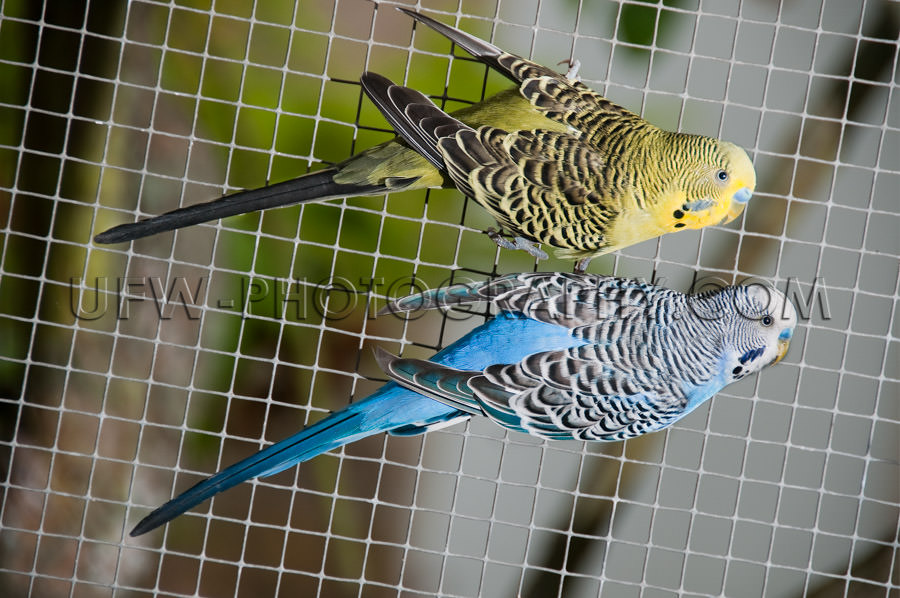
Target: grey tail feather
<point x="513" y="67"/>
<point x="316" y="185"/>
<point x="458" y="294"/>
<point x="480" y="49"/>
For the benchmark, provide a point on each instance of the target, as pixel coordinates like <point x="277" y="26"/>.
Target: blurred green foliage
<point x="646" y="25"/>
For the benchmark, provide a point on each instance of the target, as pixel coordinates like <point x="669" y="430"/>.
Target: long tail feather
<point x="333" y="431"/>
<point x="316" y="185"/>
<point x="480" y="49"/>
<point x="515" y="68"/>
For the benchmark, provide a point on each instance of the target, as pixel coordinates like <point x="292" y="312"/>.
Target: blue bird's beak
<point x="738" y="203"/>
<point x="784" y="341"/>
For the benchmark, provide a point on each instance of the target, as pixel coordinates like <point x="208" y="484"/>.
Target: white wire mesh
<point x="117" y="391"/>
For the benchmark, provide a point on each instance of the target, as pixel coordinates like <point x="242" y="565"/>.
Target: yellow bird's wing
<point x="594" y="118"/>
<point x="544" y="185"/>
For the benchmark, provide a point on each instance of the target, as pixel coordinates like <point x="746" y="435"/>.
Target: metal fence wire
<point x="129" y="372"/>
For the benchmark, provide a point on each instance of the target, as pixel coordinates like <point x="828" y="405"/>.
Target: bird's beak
<point x="784" y="341"/>
<point x="740" y="199"/>
<point x="743" y="195"/>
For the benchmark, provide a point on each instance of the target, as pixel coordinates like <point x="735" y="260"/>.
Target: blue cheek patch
<point x="751" y="355"/>
<point x="700" y="204"/>
<point x="786" y="334"/>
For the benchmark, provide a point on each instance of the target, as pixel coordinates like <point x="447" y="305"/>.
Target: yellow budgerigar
<point x="552" y="160"/>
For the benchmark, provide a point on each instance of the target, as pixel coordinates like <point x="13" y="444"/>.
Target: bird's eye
<point x="722" y="175"/>
<point x="767" y="321"/>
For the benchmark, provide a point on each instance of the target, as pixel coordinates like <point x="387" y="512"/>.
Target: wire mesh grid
<point x="129" y="372"/>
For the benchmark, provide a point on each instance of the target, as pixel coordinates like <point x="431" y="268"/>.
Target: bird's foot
<point x="574" y="67"/>
<point x="581" y="265"/>
<point x="517" y="243"/>
<point x="531" y="247"/>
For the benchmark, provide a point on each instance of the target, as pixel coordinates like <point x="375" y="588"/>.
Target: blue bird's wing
<point x="562" y="99"/>
<point x="569" y="301"/>
<point x="567" y="394"/>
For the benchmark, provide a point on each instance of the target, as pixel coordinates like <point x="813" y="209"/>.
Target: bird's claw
<point x="574" y="67"/>
<point x="517" y="243"/>
<point x="581" y="265"/>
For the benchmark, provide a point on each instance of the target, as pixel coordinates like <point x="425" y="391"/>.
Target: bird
<point x="567" y="356"/>
<point x="553" y="161"/>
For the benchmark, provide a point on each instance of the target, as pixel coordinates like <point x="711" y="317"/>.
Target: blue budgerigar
<point x="568" y="356"/>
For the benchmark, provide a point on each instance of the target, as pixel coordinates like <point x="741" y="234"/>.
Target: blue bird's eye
<point x="767" y="321"/>
<point x="722" y="175"/>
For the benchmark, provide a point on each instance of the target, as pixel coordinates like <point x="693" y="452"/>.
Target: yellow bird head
<point x="717" y="180"/>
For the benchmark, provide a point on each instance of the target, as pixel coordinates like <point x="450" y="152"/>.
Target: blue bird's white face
<point x="768" y="325"/>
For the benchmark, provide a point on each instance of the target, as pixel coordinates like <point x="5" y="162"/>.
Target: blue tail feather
<point x="506" y="339"/>
<point x="388" y="408"/>
<point x="321" y="437"/>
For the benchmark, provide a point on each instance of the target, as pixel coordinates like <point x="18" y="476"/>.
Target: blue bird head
<point x="767" y="321"/>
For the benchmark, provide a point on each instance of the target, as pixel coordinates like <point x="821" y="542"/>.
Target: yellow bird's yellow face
<point x="739" y="179"/>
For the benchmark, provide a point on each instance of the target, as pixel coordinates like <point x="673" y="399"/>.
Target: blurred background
<point x="129" y="372"/>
